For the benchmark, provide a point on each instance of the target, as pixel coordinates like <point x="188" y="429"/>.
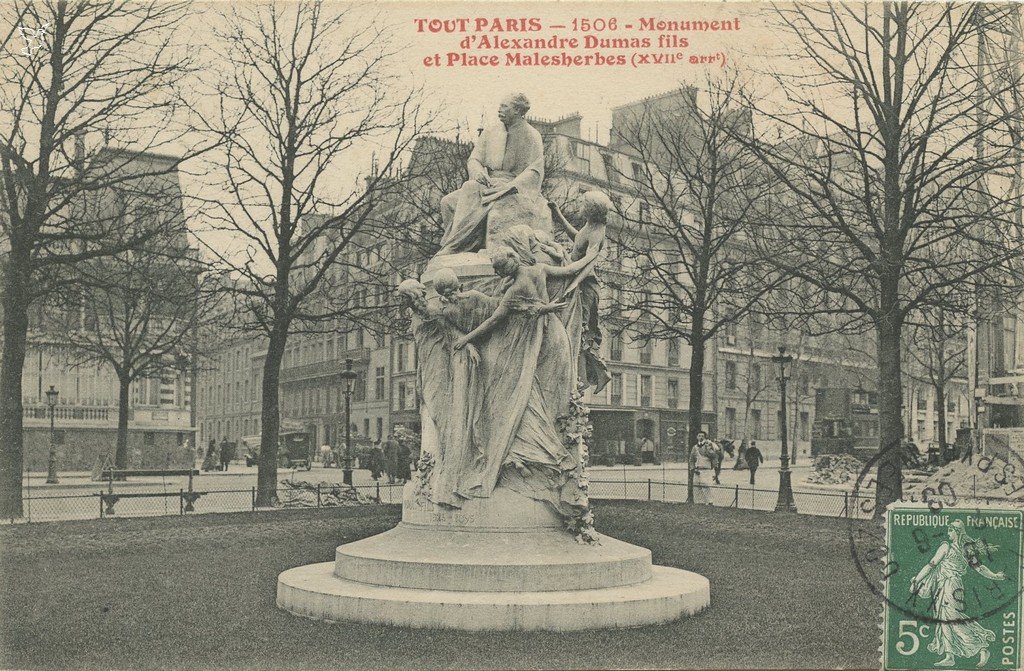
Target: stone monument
<point x="496" y="530"/>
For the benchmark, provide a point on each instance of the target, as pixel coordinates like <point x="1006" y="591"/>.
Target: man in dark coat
<point x="754" y="458"/>
<point x="391" y="458"/>
<point x="227" y="453"/>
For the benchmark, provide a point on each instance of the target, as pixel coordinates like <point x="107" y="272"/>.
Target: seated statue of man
<point x="506" y="169"/>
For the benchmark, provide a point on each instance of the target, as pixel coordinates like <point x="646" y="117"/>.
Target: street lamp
<point x="51" y="469"/>
<point x="785" y="502"/>
<point x="348" y="375"/>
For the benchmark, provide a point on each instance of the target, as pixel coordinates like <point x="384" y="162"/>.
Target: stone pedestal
<point x="501" y="563"/>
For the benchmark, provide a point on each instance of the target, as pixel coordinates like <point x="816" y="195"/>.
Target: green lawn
<point x="198" y="593"/>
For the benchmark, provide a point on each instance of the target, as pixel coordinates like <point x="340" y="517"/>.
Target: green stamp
<point x="952" y="586"/>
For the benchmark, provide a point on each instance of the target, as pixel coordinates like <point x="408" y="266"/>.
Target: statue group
<point x="502" y="352"/>
<point x="504" y="319"/>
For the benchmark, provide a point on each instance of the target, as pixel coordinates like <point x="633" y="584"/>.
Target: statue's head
<point x="446" y="283"/>
<point x="596" y="205"/>
<point x="505" y="262"/>
<point x="513" y="106"/>
<point x="414" y="293"/>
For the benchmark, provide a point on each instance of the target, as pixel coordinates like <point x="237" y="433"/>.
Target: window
<point x="730" y="374"/>
<point x="615" y="347"/>
<point x="673" y="393"/>
<point x="401" y="396"/>
<point x="755" y="424"/>
<point x="638" y="172"/>
<point x="731" y="333"/>
<point x="730" y="422"/>
<point x="610" y="173"/>
<point x="673" y="352"/>
<point x="582" y="155"/>
<point x="645" y="213"/>
<point x="646" y="351"/>
<point x="359" y="337"/>
<point x="400" y="355"/>
<point x="805" y="384"/>
<point x="359" y="387"/>
<point x="646" y="390"/>
<point x="922" y="401"/>
<point x="366" y="427"/>
<point x="380" y="428"/>
<point x="379" y="384"/>
<point x="755" y="376"/>
<point x="805" y="426"/>
<point x="616" y="388"/>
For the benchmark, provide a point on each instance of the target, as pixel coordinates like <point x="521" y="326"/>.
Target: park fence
<point x="105" y="504"/>
<point x="849" y="505"/>
<point x="118" y="505"/>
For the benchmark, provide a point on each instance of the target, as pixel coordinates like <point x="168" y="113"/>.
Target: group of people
<point x="217" y="458"/>
<point x="390" y="458"/>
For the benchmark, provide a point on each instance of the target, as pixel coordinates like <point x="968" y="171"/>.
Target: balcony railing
<point x="72" y="413"/>
<point x="325" y="368"/>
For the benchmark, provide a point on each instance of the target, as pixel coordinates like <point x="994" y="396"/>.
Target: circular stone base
<point x="314" y="591"/>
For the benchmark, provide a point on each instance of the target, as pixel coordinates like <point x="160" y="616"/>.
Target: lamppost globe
<point x="348" y="375"/>
<point x="51" y="467"/>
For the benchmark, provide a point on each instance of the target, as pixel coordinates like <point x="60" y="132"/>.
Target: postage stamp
<point x="952" y="587"/>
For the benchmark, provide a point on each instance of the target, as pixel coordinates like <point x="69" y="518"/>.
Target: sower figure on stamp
<point x="940" y="582"/>
<point x="506" y="169"/>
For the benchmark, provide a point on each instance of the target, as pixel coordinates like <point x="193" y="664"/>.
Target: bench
<point x="109" y="498"/>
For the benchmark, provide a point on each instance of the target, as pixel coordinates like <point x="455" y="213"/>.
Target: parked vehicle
<point x="294" y="449"/>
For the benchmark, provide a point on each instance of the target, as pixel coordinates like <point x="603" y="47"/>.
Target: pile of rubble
<point x="985" y="478"/>
<point x="835" y="469"/>
<point x="302" y="494"/>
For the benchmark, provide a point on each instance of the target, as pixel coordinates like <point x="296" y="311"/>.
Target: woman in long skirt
<point x="940" y="581"/>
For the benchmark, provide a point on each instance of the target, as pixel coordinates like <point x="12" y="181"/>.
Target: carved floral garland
<point x="576" y="429"/>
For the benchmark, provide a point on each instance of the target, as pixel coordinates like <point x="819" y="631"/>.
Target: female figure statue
<point x="529" y="378"/>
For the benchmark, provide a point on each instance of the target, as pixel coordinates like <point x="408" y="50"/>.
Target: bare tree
<point x="889" y="206"/>
<point x="699" y="193"/>
<point x="110" y="68"/>
<point x="938" y="354"/>
<point x="140" y="314"/>
<point x="307" y="89"/>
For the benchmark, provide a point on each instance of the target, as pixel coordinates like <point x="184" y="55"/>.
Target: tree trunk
<point x="889" y="483"/>
<point x="16" y="298"/>
<point x="121" y="453"/>
<point x="940" y="410"/>
<point x="939" y="379"/>
<point x="695" y="413"/>
<point x="270" y="418"/>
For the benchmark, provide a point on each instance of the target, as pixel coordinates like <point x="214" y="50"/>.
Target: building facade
<point x="161" y="411"/>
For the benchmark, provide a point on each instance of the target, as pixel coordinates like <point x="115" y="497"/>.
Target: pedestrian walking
<point x="326" y="455"/>
<point x="391" y="458"/>
<point x="227" y="453"/>
<point x="754" y="459"/>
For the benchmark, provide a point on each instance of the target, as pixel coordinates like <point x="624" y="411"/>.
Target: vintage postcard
<point x="511" y="335"/>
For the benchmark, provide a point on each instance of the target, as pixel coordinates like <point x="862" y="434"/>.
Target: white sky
<point x="464" y="93"/>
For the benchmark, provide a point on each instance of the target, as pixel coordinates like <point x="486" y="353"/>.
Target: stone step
<point x="410" y="556"/>
<point x="314" y="591"/>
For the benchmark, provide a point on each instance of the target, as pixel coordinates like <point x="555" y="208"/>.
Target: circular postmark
<point x="940" y="555"/>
